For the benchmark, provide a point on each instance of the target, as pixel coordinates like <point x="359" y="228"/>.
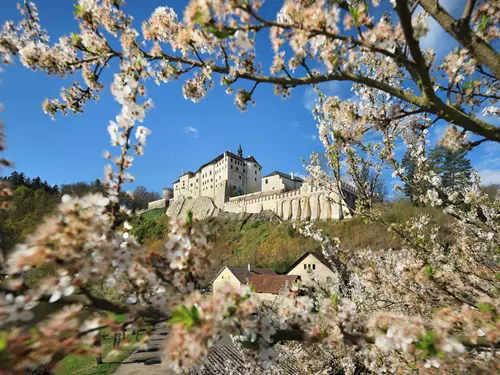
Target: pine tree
<point x="409" y="164"/>
<point x="453" y="167"/>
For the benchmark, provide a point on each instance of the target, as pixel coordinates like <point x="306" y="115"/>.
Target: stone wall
<point x="292" y="205"/>
<point x="161" y="203"/>
<point x="202" y="207"/>
<point x="305" y="204"/>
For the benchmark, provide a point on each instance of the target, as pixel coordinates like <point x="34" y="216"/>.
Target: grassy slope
<point x="85" y="365"/>
<point x="278" y="245"/>
<point x="154" y="213"/>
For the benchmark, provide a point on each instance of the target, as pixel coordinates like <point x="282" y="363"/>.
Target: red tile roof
<point x="243" y="275"/>
<point x="272" y="283"/>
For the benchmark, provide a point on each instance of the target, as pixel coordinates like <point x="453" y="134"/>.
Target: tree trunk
<point x="98" y="344"/>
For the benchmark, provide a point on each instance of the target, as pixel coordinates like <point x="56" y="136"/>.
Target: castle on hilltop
<point x="233" y="183"/>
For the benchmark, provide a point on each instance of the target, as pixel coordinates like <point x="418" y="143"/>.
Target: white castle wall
<point x="298" y="204"/>
<point x="161" y="203"/>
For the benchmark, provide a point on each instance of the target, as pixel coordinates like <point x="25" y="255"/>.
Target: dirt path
<point x="146" y="361"/>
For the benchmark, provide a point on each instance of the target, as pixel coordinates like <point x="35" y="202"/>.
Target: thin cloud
<point x="312" y="137"/>
<point x="191" y="130"/>
<point x="489" y="176"/>
<point x="437" y="38"/>
<point x="327" y="88"/>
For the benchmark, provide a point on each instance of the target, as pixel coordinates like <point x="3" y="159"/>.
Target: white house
<point x="237" y="276"/>
<point x="312" y="263"/>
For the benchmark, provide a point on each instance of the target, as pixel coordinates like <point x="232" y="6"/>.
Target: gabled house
<point x="313" y="263"/>
<point x="269" y="286"/>
<point x="237" y="276"/>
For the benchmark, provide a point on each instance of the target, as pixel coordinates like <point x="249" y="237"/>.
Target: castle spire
<point x="240" y="151"/>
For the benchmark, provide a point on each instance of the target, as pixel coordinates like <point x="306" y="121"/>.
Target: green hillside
<point x="238" y="241"/>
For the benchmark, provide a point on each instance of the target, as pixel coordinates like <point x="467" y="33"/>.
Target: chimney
<point x="249" y="268"/>
<point x="292" y="175"/>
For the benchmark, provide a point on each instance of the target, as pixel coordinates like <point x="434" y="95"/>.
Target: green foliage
<point x="30" y="206"/>
<point x="412" y="188"/>
<point x="220" y="34"/>
<point x="188" y="317"/>
<point x="154" y="213"/>
<point x="3" y="341"/>
<point x="427" y="343"/>
<point x="453" y="167"/>
<point x="148" y="227"/>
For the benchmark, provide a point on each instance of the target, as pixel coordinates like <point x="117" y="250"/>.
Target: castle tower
<point x="240" y="151"/>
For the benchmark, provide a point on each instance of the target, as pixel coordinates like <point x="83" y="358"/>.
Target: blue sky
<point x="278" y="133"/>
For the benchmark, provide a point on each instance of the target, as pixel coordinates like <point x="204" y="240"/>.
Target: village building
<point x="280" y="182"/>
<point x="264" y="281"/>
<point x="268" y="287"/>
<point x="237" y="276"/>
<point x="313" y="265"/>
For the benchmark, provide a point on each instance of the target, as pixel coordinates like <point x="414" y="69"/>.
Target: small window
<point x="267" y="181"/>
<point x="314" y="266"/>
<point x="240" y="177"/>
<point x="255" y="172"/>
<point x="222" y="277"/>
<point x="255" y="179"/>
<point x="243" y="170"/>
<point x="231" y="167"/>
<point x="305" y="267"/>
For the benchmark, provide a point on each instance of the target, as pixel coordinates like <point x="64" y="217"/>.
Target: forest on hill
<point x="33" y="199"/>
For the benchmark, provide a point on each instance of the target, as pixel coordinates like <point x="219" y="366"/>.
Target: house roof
<point x="272" y="283"/>
<point x="319" y="256"/>
<point x="284" y="175"/>
<point x="221" y="356"/>
<point x="242" y="274"/>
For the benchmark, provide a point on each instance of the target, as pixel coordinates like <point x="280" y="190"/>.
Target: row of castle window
<point x="309" y="266"/>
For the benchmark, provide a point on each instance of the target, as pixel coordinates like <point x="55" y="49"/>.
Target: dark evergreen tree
<point x="410" y="165"/>
<point x="453" y="167"/>
<point x="375" y="186"/>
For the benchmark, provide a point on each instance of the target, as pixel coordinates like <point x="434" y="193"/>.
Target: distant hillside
<point x="263" y="240"/>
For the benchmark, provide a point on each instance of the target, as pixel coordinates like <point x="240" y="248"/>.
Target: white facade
<point x="280" y="182"/>
<point x="226" y="176"/>
<point x="313" y="267"/>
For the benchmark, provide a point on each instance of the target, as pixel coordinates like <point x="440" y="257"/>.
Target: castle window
<point x="243" y="170"/>
<point x="255" y="179"/>
<point x="240" y="177"/>
<point x="231" y="167"/>
<point x="255" y="172"/>
<point x="267" y="181"/>
<point x="237" y="168"/>
<point x="305" y="267"/>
